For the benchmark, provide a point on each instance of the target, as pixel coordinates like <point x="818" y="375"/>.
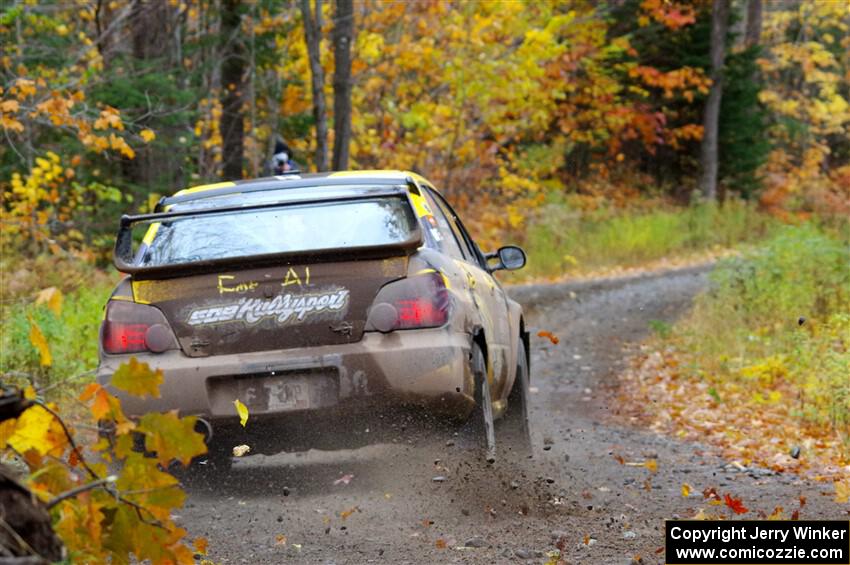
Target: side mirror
<point x="510" y="258"/>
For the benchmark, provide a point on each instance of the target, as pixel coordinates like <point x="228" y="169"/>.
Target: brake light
<point x="132" y="328"/>
<point x="421" y="301"/>
<point x="418" y="313"/>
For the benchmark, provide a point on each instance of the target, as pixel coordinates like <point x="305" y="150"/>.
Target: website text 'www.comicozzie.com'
<point x="752" y="542"/>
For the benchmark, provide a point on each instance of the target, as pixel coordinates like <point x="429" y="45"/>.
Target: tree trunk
<point x="708" y="153"/>
<point x="753" y="33"/>
<point x="342" y="36"/>
<point x="313" y="37"/>
<point x="232" y="74"/>
<point x="152" y="38"/>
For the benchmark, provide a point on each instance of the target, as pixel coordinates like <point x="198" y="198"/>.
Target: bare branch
<point x="81" y="489"/>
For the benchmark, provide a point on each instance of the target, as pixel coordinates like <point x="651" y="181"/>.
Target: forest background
<point x="598" y="135"/>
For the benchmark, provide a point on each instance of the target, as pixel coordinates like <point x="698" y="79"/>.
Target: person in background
<point x="282" y="159"/>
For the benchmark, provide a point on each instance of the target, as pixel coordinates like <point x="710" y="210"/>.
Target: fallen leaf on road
<point x="200" y="545"/>
<point x="777" y="514"/>
<point x="735" y="504"/>
<point x="842" y="492"/>
<point x="280" y="539"/>
<point x="547" y="334"/>
<point x="346" y="513"/>
<point x="343" y="480"/>
<point x="686" y="490"/>
<point x="440" y="543"/>
<point x="240" y="450"/>
<point x="795" y="515"/>
<point x="561" y="544"/>
<point x="650" y="464"/>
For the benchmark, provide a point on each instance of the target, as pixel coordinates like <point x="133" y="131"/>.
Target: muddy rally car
<point x="333" y="306"/>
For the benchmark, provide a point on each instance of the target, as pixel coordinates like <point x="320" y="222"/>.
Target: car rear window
<point x="289" y="228"/>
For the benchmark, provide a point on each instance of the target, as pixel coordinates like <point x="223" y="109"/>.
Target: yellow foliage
<point x="768" y="372"/>
<point x="38" y="341"/>
<point x="139" y="499"/>
<point x="52" y="297"/>
<point x="32" y="431"/>
<point x="10" y="106"/>
<point x="109" y="118"/>
<point x="138" y="379"/>
<point x="242" y="411"/>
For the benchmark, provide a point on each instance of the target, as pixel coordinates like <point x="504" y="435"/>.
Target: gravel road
<point x="382" y="504"/>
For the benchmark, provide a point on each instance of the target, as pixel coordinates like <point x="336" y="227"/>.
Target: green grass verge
<point x="563" y="241"/>
<point x="71" y="336"/>
<point x="776" y="321"/>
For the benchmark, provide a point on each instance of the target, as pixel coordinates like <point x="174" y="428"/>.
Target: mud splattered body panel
<point x="296" y="330"/>
<point x="270" y="308"/>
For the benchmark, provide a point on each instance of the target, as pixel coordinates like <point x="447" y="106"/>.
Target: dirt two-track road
<point x="382" y="504"/>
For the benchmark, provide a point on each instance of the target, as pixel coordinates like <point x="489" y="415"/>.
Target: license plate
<point x="288" y="392"/>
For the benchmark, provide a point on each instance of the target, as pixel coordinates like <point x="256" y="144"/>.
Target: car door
<point x="487" y="293"/>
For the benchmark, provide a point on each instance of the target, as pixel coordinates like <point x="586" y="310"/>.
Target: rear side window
<point x="447" y="240"/>
<point x="289" y="228"/>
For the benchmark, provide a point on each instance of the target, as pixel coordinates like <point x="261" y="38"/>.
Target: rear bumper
<point x="425" y="367"/>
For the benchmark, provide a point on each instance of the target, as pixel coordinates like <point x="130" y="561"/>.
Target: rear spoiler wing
<point x="122" y="256"/>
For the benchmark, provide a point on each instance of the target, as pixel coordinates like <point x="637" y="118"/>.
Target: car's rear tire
<point x="514" y="429"/>
<point x="480" y="427"/>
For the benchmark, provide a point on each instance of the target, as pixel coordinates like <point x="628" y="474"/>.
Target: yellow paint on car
<point x="421" y="206"/>
<point x="151" y="233"/>
<point x="442" y="274"/>
<point x="419" y="203"/>
<point x="204" y="187"/>
<point x="141" y="291"/>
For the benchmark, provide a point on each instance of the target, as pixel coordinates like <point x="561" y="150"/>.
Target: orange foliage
<point x="673" y="15"/>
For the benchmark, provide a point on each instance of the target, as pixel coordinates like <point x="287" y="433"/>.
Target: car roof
<point x="332" y="184"/>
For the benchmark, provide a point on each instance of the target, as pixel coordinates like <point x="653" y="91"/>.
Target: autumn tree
<point x="711" y="119"/>
<point x="313" y="38"/>
<point x="743" y="140"/>
<point x="151" y="93"/>
<point x="108" y="502"/>
<point x="343" y="34"/>
<point x="232" y="87"/>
